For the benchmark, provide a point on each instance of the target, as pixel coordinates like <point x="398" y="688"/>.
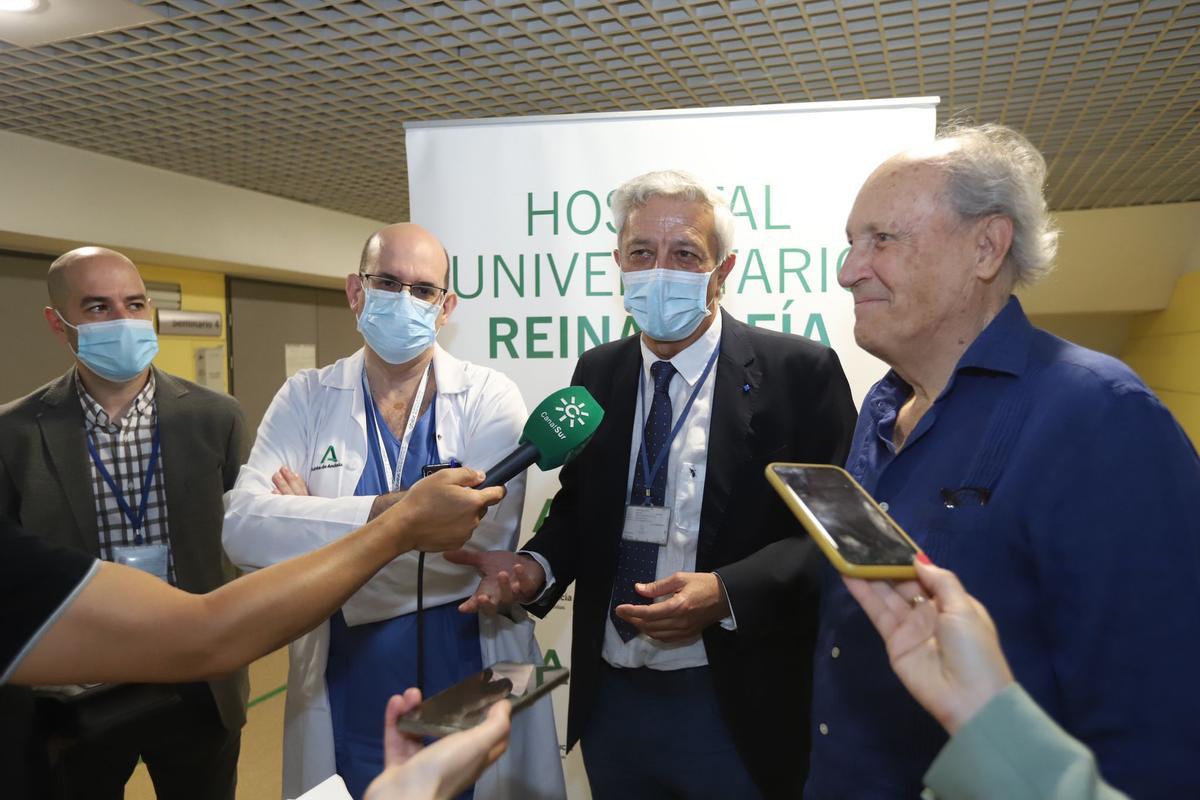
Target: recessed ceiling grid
<point x="1097" y="74"/>
<point x="1020" y="48"/>
<point x="306" y="99"/>
<point x="1096" y="152"/>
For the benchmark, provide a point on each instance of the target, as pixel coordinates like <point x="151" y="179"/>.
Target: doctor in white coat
<point x="326" y="460"/>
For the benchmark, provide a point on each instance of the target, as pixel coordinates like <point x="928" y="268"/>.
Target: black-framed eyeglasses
<point x="425" y="292"/>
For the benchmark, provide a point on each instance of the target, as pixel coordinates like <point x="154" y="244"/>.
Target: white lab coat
<point x="316" y="426"/>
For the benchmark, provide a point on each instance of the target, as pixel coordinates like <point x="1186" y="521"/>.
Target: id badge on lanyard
<point x="392" y="472"/>
<point x="647" y="524"/>
<point x="650" y="523"/>
<point x="149" y="558"/>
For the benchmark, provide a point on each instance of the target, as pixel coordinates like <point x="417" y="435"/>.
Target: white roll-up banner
<point x="522" y="206"/>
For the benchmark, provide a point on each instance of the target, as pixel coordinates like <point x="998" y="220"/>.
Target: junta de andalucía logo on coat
<point x="329" y="459"/>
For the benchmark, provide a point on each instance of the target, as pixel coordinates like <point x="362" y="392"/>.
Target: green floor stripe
<point x="267" y="696"/>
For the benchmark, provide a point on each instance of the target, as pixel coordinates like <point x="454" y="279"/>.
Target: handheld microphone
<point x="556" y="430"/>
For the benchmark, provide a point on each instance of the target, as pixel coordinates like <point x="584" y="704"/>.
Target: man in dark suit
<point x="695" y="596"/>
<point x="127" y="463"/>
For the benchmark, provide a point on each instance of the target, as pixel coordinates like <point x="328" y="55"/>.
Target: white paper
<point x="297" y="357"/>
<point x="210" y="372"/>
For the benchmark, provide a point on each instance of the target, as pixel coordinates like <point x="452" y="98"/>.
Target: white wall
<point x="54" y="197"/>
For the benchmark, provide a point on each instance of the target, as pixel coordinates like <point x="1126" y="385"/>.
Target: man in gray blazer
<point x="127" y="463"/>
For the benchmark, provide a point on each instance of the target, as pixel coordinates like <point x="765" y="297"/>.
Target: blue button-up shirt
<point x="1065" y="496"/>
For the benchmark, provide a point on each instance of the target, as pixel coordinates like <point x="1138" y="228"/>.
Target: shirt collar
<point x="691" y="361"/>
<point x="96" y="417"/>
<point x="450" y="373"/>
<point x="1003" y="346"/>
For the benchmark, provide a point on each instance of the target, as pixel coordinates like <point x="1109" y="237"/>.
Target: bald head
<point x="67" y="268"/>
<point x="402" y="245"/>
<point x="88" y="284"/>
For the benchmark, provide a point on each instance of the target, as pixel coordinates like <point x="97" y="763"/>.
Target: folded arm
<point x="263" y="527"/>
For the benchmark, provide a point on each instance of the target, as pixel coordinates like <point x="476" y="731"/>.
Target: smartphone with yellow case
<point x="856" y="535"/>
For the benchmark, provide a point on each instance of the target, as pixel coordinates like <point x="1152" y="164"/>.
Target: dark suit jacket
<point x="777" y="397"/>
<point x="45" y="483"/>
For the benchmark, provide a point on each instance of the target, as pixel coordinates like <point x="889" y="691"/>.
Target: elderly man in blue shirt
<point x="1046" y="475"/>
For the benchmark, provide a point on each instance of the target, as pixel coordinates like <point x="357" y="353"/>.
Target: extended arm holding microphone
<point x="557" y="429"/>
<point x="127" y="626"/>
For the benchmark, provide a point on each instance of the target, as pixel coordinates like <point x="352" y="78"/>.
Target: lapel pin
<point x="745" y="388"/>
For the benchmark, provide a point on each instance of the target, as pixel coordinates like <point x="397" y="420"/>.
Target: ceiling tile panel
<point x="246" y="93"/>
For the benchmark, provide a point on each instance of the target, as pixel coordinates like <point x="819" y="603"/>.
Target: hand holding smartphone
<point x="855" y="534"/>
<point x="466" y="703"/>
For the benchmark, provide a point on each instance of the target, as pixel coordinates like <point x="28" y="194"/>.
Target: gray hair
<point x="636" y="192"/>
<point x="993" y="169"/>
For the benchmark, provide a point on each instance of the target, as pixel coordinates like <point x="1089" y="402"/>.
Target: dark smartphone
<point x="466" y="703"/>
<point x="851" y="529"/>
<point x="429" y="469"/>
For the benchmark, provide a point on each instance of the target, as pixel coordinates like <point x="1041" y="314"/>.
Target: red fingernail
<point x="924" y="559"/>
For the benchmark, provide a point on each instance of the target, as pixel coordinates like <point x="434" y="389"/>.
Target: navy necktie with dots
<point x="637" y="562"/>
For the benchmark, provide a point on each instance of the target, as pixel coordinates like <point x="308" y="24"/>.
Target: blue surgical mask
<point x="666" y="303"/>
<point x="117" y="349"/>
<point x="396" y="326"/>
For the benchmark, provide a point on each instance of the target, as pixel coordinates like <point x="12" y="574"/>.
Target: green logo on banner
<point x="551" y="659"/>
<point x="330" y="455"/>
<point x="541" y="520"/>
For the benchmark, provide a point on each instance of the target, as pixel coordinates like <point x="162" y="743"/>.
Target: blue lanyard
<point x="147" y="481"/>
<point x="375" y="441"/>
<point x="648" y="472"/>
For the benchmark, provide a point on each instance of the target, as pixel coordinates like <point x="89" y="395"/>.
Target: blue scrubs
<point x="369" y="663"/>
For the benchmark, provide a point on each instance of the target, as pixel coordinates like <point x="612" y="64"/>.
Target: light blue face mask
<point x="117" y="349"/>
<point x="396" y="326"/>
<point x="666" y="303"/>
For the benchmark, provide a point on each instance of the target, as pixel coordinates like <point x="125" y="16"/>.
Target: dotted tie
<point x="637" y="562"/>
